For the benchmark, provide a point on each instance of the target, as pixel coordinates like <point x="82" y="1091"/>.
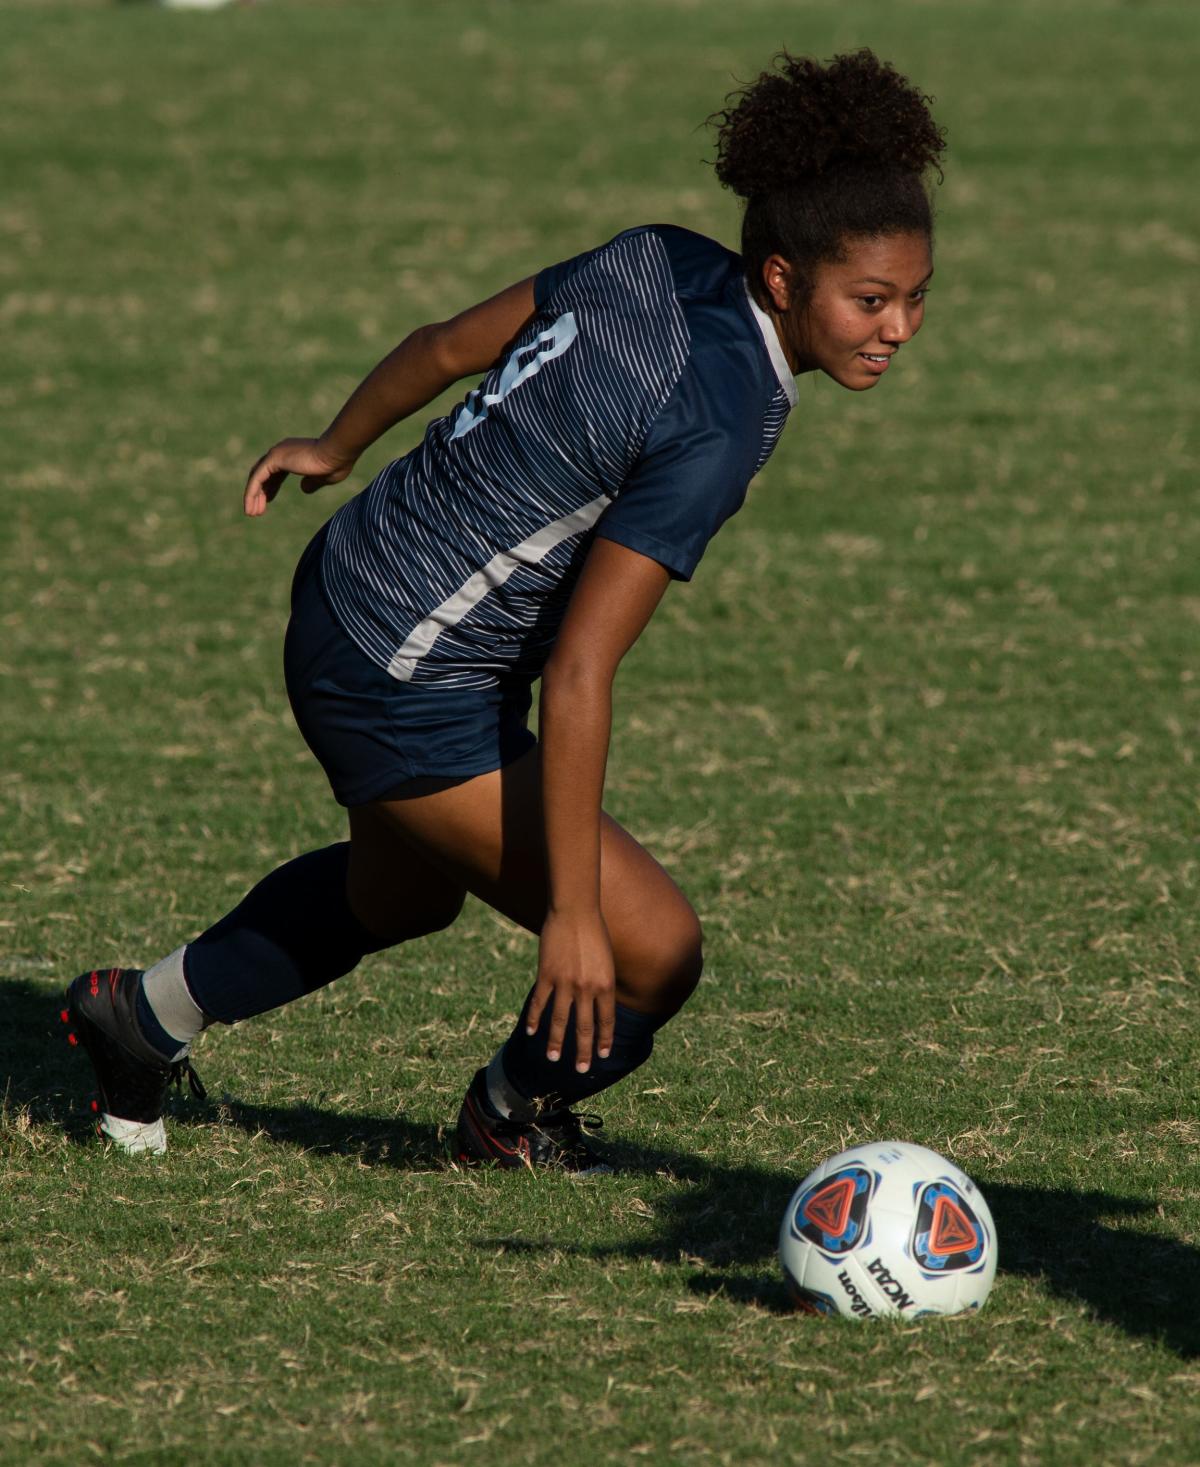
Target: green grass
<point x="941" y="826"/>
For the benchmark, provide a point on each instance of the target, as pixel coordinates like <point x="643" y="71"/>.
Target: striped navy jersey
<point x="637" y="404"/>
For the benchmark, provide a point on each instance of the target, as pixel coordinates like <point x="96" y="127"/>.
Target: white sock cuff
<point x="168" y="995"/>
<point x="504" y="1095"/>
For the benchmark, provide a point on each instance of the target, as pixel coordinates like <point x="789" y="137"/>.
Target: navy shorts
<point x="376" y="737"/>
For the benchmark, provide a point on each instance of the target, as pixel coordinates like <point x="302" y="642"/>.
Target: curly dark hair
<point x="823" y="154"/>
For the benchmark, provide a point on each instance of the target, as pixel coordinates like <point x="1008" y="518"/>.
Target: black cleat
<point x="132" y="1075"/>
<point x="556" y="1138"/>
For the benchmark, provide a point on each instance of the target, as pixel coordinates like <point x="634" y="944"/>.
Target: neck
<point x="793" y="351"/>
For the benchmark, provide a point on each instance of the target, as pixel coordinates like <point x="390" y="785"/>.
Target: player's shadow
<point x="373" y="1140"/>
<point x="1084" y="1246"/>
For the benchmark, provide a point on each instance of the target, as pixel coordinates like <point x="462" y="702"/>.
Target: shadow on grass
<point x="42" y="1074"/>
<point x="1076" y="1244"/>
<point x="39" y="1072"/>
<point x="374" y="1140"/>
<point x="722" y="1219"/>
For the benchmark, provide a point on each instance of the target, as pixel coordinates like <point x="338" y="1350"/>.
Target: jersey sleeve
<point x="692" y="474"/>
<point x="547" y="281"/>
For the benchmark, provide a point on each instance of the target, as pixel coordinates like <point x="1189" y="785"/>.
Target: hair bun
<point x="805" y="120"/>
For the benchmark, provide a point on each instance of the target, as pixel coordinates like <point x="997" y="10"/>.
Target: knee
<point x="434" y="916"/>
<point x="681" y="967"/>
<point x="688" y="960"/>
<point x="391" y="926"/>
<point x="668" y="965"/>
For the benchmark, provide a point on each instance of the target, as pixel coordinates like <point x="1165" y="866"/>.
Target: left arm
<point x="422" y="366"/>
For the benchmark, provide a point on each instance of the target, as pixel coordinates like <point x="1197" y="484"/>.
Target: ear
<point x="777" y="277"/>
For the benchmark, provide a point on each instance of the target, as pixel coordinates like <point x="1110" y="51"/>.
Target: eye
<point x="870" y="302"/>
<point x="920" y="293"/>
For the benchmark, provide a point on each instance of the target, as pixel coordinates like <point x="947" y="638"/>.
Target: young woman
<point x="629" y="395"/>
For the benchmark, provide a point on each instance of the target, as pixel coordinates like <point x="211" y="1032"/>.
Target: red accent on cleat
<point x="64" y="1016"/>
<point x="71" y="1038"/>
<point x="96" y="1106"/>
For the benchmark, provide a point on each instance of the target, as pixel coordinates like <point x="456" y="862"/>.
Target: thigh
<point x="487" y="834"/>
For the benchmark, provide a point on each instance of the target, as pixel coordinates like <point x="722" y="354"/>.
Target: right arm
<point x="422" y="366"/>
<point x="615" y="596"/>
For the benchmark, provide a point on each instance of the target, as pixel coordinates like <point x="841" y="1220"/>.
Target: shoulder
<point x="701" y="267"/>
<point x="652" y="261"/>
<point x="698" y="268"/>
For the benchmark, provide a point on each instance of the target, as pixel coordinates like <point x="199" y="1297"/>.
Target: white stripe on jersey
<point x="495" y="573"/>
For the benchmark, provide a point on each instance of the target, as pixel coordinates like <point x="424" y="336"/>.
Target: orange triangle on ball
<point x="829" y="1209"/>
<point x="952" y="1230"/>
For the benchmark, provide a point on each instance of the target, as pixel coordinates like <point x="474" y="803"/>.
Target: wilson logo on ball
<point x="947" y="1235"/>
<point x="832" y="1214"/>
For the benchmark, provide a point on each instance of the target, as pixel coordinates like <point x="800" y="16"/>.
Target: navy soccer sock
<point x="293" y="933"/>
<point x="547" y="1084"/>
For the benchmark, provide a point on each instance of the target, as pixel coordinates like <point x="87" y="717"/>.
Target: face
<point x="862" y="310"/>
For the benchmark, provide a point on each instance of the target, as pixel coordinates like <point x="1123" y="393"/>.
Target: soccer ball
<point x="889" y="1229"/>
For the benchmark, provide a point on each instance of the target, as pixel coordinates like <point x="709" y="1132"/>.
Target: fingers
<point x="263" y="485"/>
<point x="254" y="500"/>
<point x="584" y="1032"/>
<point x="558" y="1023"/>
<point x="595" y="1019"/>
<point x="606" y="1009"/>
<point x="560" y="1017"/>
<point x="538" y="999"/>
<point x="537" y="1002"/>
<point x="298" y="456"/>
<point x="575" y="990"/>
<point x="594" y="1037"/>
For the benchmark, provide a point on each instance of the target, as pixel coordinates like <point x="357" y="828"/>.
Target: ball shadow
<point x="1083" y="1246"/>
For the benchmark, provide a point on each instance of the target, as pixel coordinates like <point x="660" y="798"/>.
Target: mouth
<point x="876" y="361"/>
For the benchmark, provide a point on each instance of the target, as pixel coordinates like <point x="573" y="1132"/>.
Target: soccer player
<point x="628" y="396"/>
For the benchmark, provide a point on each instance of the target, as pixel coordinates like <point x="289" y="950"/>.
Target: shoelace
<point x="558" y="1125"/>
<point x="182" y="1069"/>
<point x="567" y="1128"/>
<point x="573" y="1121"/>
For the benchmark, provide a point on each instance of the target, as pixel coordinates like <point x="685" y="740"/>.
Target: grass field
<point x="919" y="741"/>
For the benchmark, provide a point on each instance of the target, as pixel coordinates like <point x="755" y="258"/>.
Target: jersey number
<point x="524" y="363"/>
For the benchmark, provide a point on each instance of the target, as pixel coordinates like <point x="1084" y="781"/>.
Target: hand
<point x="317" y="463"/>
<point x="575" y="966"/>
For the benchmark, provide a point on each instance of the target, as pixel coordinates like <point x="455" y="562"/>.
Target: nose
<point x="900" y="323"/>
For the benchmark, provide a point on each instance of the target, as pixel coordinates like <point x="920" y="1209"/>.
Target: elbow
<point x="575" y="677"/>
<point x="455" y="350"/>
<point x="437" y="345"/>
